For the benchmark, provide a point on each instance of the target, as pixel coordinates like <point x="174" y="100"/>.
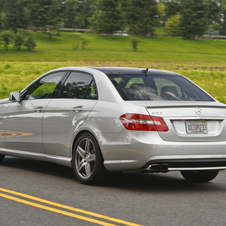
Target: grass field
<point x="17" y="75"/>
<point x="119" y="48"/>
<point x="203" y="61"/>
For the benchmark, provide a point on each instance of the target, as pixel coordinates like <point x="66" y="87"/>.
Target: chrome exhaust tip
<point x="163" y="168"/>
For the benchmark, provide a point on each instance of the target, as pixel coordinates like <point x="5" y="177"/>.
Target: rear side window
<point x="157" y="87"/>
<point x="79" y="85"/>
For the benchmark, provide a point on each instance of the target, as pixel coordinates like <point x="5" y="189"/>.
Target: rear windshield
<point x="165" y="87"/>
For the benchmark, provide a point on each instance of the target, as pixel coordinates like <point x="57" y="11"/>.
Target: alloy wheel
<point x="85" y="158"/>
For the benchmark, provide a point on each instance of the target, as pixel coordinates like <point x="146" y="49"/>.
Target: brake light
<point x="143" y="122"/>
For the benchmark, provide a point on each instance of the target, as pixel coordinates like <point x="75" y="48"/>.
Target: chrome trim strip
<point x="118" y="161"/>
<point x="188" y="157"/>
<point x="62" y="160"/>
<point x="186" y="106"/>
<point x="197" y="168"/>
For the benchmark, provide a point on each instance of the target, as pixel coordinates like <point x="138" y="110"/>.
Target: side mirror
<point x="14" y="96"/>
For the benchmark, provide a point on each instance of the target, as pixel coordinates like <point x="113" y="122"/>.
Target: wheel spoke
<point x="92" y="158"/>
<point x="88" y="169"/>
<point x="80" y="151"/>
<point x="81" y="165"/>
<point x="87" y="146"/>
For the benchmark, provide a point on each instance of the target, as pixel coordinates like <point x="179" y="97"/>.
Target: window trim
<point x="59" y="89"/>
<point x="24" y="92"/>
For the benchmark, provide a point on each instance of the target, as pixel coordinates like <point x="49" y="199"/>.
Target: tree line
<point x="189" y="19"/>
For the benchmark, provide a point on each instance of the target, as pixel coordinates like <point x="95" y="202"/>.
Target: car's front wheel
<point x="1" y="158"/>
<point x="87" y="160"/>
<point x="199" y="175"/>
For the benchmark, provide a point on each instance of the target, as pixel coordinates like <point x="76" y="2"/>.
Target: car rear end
<point x="181" y="127"/>
<point x="195" y="138"/>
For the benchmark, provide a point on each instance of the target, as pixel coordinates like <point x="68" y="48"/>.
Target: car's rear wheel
<point x="1" y="158"/>
<point x="88" y="161"/>
<point x="199" y="175"/>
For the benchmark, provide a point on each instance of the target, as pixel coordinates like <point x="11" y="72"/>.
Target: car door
<point x="67" y="112"/>
<point x="4" y="104"/>
<point x="23" y="120"/>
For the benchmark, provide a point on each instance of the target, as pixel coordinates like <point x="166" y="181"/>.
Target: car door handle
<point x="38" y="109"/>
<point x="77" y="109"/>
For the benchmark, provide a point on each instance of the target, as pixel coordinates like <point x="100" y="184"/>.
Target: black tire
<point x="88" y="161"/>
<point x="199" y="175"/>
<point x="1" y="158"/>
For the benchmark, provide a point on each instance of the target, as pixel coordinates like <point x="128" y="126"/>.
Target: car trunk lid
<point x="191" y="122"/>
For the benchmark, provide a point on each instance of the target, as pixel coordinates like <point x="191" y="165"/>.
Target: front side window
<point x="45" y="87"/>
<point x="79" y="85"/>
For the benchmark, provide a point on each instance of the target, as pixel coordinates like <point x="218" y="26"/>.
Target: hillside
<point x="119" y="48"/>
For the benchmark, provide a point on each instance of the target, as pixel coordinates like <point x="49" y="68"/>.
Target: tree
<point x="14" y="15"/>
<point x="107" y="18"/>
<point x="172" y="25"/>
<point x="193" y="20"/>
<point x="172" y="7"/>
<point x="45" y="14"/>
<point x="19" y="39"/>
<point x="30" y="42"/>
<point x="196" y="17"/>
<point x="6" y="38"/>
<point x="142" y="16"/>
<point x="213" y="11"/>
<point x="77" y="13"/>
<point x="222" y="19"/>
<point x="71" y="11"/>
<point x="161" y="13"/>
<point x="1" y="14"/>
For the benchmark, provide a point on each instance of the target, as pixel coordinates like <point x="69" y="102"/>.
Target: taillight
<point x="143" y="122"/>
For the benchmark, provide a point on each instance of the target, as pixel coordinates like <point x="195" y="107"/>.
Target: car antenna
<point x="145" y="72"/>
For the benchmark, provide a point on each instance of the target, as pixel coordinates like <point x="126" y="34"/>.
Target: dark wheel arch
<point x="2" y="158"/>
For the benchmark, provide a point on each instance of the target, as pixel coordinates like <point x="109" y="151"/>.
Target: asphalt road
<point x="57" y="198"/>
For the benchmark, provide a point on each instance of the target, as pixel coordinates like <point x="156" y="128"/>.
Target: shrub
<point x="30" y="42"/>
<point x="84" y="42"/>
<point x="18" y="40"/>
<point x="172" y="25"/>
<point x="79" y="40"/>
<point x="7" y="37"/>
<point x="52" y="30"/>
<point x="4" y="90"/>
<point x="135" y="44"/>
<point x="76" y="41"/>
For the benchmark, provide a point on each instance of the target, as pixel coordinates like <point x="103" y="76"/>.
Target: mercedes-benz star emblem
<point x="198" y="111"/>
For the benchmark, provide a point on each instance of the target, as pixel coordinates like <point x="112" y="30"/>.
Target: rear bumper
<point x="148" y="152"/>
<point x="185" y="164"/>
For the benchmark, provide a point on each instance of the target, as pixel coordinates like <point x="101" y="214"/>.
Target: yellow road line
<point x="56" y="210"/>
<point x="64" y="207"/>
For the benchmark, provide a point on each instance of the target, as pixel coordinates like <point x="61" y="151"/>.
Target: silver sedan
<point x="100" y="119"/>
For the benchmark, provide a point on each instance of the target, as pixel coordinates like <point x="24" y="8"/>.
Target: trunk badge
<point x="198" y="111"/>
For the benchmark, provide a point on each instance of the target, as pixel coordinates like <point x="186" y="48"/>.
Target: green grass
<point x="203" y="61"/>
<point x="160" y="31"/>
<point x="17" y="75"/>
<point x="119" y="48"/>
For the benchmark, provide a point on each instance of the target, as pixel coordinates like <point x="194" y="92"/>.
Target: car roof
<point x="132" y="70"/>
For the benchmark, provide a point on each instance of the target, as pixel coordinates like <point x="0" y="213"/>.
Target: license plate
<point x="196" y="127"/>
